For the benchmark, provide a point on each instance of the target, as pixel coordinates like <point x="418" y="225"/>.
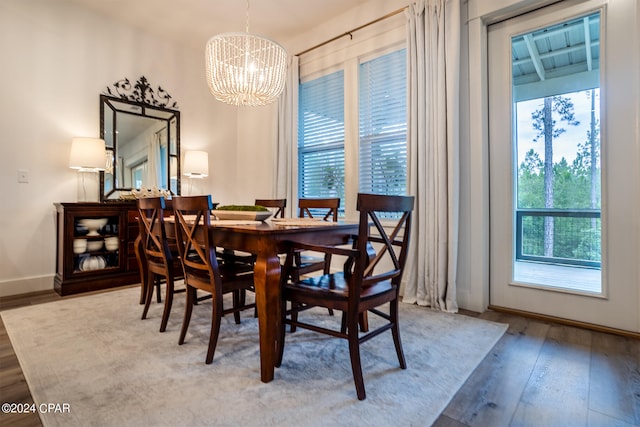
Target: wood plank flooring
<point x="538" y="374"/>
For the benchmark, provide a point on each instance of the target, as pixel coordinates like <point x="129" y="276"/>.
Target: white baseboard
<point x="26" y="285"/>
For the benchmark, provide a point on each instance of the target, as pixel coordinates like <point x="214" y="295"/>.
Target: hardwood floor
<point x="538" y="374"/>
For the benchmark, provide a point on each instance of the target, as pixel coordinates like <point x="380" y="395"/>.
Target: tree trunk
<point x="594" y="158"/>
<point x="548" y="176"/>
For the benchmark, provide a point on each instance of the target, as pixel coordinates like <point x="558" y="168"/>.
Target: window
<point x="321" y="137"/>
<point x="383" y="124"/>
<point x="380" y="115"/>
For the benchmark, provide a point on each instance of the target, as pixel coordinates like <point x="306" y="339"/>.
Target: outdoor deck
<point x="575" y="279"/>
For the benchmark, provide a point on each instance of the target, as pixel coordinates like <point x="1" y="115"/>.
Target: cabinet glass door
<point x="96" y="243"/>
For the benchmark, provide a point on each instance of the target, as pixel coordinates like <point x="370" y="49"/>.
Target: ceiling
<point x="193" y="22"/>
<point x="565" y="49"/>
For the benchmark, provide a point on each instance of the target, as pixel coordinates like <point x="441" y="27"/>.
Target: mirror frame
<point x="141" y="100"/>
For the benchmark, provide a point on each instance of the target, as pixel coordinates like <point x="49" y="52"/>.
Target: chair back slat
<point x="152" y="230"/>
<point x="278" y="204"/>
<point x="327" y="208"/>
<point x="193" y="220"/>
<point x="391" y="246"/>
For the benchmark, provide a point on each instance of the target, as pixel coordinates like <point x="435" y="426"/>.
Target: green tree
<point x="544" y="121"/>
<point x="530" y="181"/>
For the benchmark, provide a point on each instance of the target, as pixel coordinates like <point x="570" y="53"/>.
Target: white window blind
<point x="383" y="124"/>
<point x="321" y="137"/>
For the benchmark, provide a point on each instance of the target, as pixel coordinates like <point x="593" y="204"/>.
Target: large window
<point x="380" y="123"/>
<point x="383" y="124"/>
<point x="321" y="137"/>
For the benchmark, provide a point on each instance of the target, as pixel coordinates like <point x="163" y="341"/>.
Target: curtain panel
<point x="285" y="169"/>
<point x="433" y="44"/>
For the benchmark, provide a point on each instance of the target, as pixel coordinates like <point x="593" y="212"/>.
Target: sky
<point x="566" y="144"/>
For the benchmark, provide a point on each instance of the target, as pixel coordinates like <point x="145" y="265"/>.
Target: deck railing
<point x="559" y="236"/>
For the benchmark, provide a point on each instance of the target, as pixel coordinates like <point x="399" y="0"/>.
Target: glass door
<point x="548" y="155"/>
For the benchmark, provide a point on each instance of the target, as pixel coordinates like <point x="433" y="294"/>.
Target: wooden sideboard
<point x="89" y="259"/>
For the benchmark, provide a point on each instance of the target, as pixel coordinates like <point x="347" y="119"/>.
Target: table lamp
<point x="88" y="157"/>
<point x="196" y="166"/>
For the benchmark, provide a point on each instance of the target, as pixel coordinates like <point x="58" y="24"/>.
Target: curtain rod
<point x="350" y="33"/>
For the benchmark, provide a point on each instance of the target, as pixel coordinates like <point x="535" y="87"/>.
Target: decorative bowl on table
<point x="94" y="225"/>
<point x="242" y="212"/>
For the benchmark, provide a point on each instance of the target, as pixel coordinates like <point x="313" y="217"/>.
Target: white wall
<point x="56" y="60"/>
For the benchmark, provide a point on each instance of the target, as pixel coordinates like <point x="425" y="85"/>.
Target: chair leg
<point x="188" y="308"/>
<point x="149" y="296"/>
<point x="281" y="335"/>
<point x="143" y="291"/>
<point x="327" y="270"/>
<point x="167" y="303"/>
<point x="215" y="328"/>
<point x="294" y="315"/>
<point x="363" y="322"/>
<point x="237" y="302"/>
<point x="395" y="331"/>
<point x="158" y="291"/>
<point x="354" y="353"/>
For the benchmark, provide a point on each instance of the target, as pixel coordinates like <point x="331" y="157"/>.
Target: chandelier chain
<point x="247" y="26"/>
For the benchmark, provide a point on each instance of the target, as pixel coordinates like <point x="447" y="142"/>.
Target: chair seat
<point x="334" y="287"/>
<point x="231" y="280"/>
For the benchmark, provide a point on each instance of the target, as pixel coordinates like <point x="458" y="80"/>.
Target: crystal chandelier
<point x="245" y="69"/>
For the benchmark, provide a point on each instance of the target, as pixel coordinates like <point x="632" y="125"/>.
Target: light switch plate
<point x="23" y="176"/>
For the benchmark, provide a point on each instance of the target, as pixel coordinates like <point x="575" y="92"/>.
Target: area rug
<point x="94" y="357"/>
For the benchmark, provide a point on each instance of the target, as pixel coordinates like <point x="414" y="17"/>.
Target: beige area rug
<point x="112" y="369"/>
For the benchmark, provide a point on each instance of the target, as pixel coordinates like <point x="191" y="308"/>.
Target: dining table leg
<point x="267" y="289"/>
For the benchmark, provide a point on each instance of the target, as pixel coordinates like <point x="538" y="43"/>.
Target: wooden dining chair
<point x="278" y="206"/>
<point x="371" y="277"/>
<point x="201" y="268"/>
<point x="304" y="262"/>
<point x="326" y="209"/>
<point x="278" y="209"/>
<point x="160" y="255"/>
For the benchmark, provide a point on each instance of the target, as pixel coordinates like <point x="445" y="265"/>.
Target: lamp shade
<point x="196" y="164"/>
<point x="87" y="154"/>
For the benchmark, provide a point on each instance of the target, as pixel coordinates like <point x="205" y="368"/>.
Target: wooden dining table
<point x="266" y="240"/>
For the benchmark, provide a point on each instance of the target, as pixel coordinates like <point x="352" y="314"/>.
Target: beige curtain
<point x="287" y="136"/>
<point x="153" y="177"/>
<point x="433" y="44"/>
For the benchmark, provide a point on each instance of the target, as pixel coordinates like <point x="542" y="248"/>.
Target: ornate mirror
<point x="141" y="129"/>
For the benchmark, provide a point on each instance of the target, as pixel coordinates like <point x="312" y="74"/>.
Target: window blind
<point x="321" y="137"/>
<point x="383" y="124"/>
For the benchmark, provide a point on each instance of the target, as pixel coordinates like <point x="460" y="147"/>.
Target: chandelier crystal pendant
<point x="245" y="69"/>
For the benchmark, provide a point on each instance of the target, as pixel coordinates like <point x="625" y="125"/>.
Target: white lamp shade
<point x="196" y="164"/>
<point x="87" y="154"/>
